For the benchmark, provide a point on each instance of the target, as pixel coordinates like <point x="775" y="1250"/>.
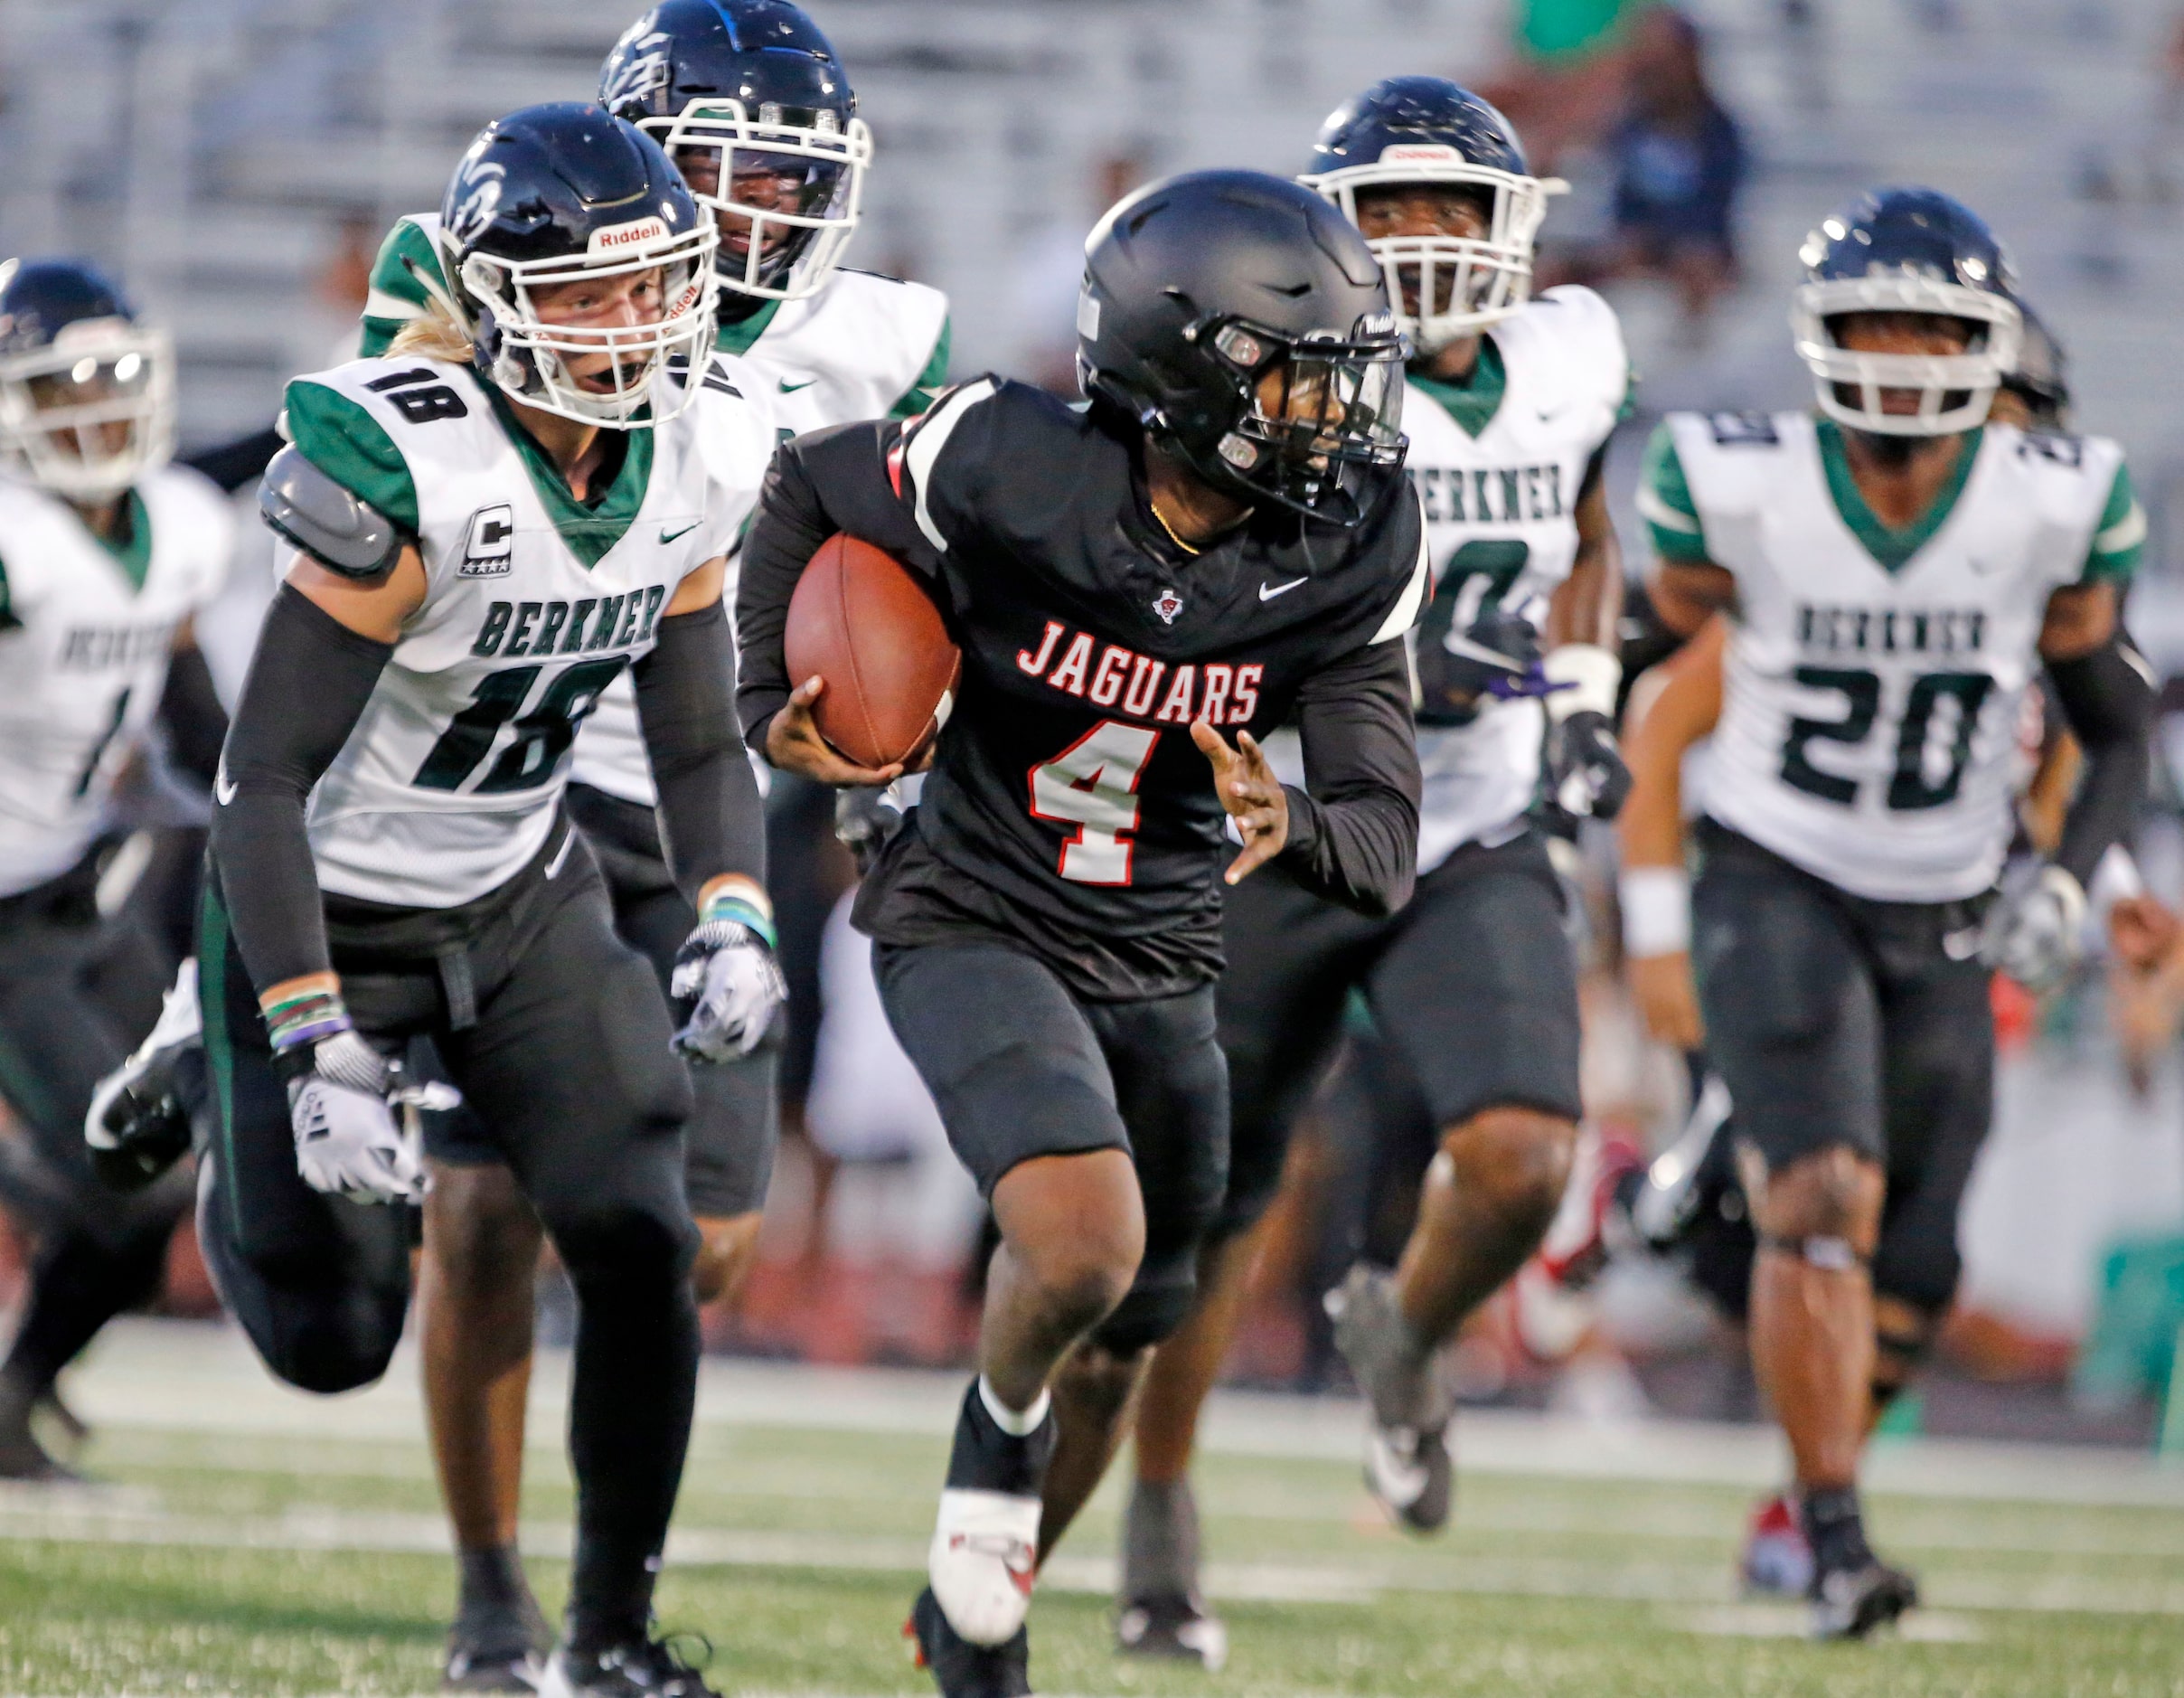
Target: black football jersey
<point x="1066" y="804"/>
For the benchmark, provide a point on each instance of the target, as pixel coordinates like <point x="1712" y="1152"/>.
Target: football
<point x="861" y="620"/>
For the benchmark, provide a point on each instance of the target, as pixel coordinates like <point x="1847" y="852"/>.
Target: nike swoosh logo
<point x="1268" y="591"/>
<point x="789" y="388"/>
<point x="1456" y="643"/>
<point x="667" y="536"/>
<point x="224" y="787"/>
<point x="553" y="867"/>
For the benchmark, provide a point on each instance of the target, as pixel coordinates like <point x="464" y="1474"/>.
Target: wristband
<point x="1581" y="677"/>
<point x="300" y="1020"/>
<point x="734" y="905"/>
<point x="1656" y="910"/>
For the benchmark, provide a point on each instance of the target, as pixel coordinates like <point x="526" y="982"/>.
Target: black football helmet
<point x="557" y="192"/>
<point x="75" y="362"/>
<point x="1427" y="130"/>
<point x="1243" y="323"/>
<point x="2041" y="377"/>
<point x="1906" y="250"/>
<point x="750" y="94"/>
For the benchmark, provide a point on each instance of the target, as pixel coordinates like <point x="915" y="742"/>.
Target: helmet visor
<point x="91" y="413"/>
<point x="1321" y="411"/>
<point x="783" y="182"/>
<point x="1905" y="394"/>
<point x="584" y="337"/>
<point x="1442" y="285"/>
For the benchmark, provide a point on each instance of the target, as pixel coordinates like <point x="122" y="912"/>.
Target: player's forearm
<point x="2107" y="699"/>
<point x="308" y="685"/>
<point x="826" y="482"/>
<point x="712" y="820"/>
<point x="188" y="708"/>
<point x="1588" y="606"/>
<point x="1353" y="831"/>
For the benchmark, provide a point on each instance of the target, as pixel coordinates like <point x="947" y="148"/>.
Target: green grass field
<point x="244" y="1541"/>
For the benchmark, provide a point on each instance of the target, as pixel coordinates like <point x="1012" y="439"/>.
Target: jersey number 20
<point x="1093" y="785"/>
<point x="1910" y="785"/>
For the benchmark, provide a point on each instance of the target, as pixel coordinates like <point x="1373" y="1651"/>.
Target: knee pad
<point x="1147" y="1314"/>
<point x="625" y="1241"/>
<point x="1919" y="1269"/>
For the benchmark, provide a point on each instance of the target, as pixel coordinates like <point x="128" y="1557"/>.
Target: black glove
<point x="1584" y="771"/>
<point x="1496" y="654"/>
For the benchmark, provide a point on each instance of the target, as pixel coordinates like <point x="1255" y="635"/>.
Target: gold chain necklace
<point x="1161" y="519"/>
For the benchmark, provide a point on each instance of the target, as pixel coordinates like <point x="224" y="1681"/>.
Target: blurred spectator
<point x="1049" y="271"/>
<point x="1678" y="159"/>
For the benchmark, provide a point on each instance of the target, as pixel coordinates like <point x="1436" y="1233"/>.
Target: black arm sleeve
<point x="190" y="709"/>
<point x="712" y="820"/>
<point x="232" y="465"/>
<point x="1354" y="838"/>
<point x="2107" y="697"/>
<point x="826" y="482"/>
<point x="308" y="683"/>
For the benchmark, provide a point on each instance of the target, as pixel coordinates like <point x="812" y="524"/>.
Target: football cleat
<point x="1176" y="1627"/>
<point x="638" y="1667"/>
<point x="1407" y="1462"/>
<point x="22" y="1458"/>
<point x="138" y="1124"/>
<point x="983" y="1561"/>
<point x="1777" y="1557"/>
<point x="1850" y="1603"/>
<point x="497" y="1647"/>
<point x="984" y="1555"/>
<point x="961" y="1669"/>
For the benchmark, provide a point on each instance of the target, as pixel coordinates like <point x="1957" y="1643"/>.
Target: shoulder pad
<point x="324" y="519"/>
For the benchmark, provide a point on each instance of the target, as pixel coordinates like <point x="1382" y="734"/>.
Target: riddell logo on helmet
<point x="640" y="233"/>
<point x="1420" y="154"/>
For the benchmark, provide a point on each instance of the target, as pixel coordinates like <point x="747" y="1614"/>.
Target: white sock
<point x="1016" y="1424"/>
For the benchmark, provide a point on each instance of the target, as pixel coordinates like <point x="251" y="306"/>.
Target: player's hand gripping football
<point x="1253" y="795"/>
<point x="354" y="1123"/>
<point x="793" y="744"/>
<point x="727" y="975"/>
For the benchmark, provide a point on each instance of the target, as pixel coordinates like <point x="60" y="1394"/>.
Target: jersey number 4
<point x="1093" y="785"/>
<point x="1916" y="783"/>
<point x="542" y="736"/>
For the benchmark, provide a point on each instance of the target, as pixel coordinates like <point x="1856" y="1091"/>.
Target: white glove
<point x="2037" y="933"/>
<point x="356" y="1133"/>
<point x="727" y="973"/>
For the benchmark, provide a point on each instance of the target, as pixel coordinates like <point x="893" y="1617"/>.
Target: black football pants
<point x="76" y="993"/>
<point x="1020" y="1068"/>
<point x="1837" y="1020"/>
<point x="560" y="1043"/>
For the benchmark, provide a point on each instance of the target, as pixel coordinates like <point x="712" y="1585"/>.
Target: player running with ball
<point x="1510" y="405"/>
<point x="495" y="522"/>
<point x="1895" y="569"/>
<point x="1223" y="541"/>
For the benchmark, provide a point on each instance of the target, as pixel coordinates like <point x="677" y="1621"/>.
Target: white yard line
<point x="107" y="1517"/>
<point x="191" y="1376"/>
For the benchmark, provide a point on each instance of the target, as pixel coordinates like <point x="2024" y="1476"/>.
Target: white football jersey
<point x="84" y="643"/>
<point x="451" y="779"/>
<point x="1870" y="716"/>
<point x="862" y="346"/>
<point x="1500" y="519"/>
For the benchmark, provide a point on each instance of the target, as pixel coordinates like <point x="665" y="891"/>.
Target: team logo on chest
<point x="490" y="542"/>
<point x="1167" y="604"/>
